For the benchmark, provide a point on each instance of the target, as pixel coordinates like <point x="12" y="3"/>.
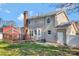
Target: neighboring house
<point x="42" y="27"/>
<point x="10" y="33"/>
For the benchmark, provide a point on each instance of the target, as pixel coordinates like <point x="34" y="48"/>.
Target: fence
<point x="73" y="41"/>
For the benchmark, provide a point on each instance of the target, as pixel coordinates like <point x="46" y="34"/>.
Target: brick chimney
<point x="25" y="22"/>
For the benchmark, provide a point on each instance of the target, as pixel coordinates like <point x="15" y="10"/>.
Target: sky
<point x="14" y="11"/>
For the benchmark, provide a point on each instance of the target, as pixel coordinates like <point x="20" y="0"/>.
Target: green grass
<point x="31" y="48"/>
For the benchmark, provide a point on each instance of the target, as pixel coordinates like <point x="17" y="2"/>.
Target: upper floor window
<point x="49" y="31"/>
<point x="35" y="32"/>
<point x="48" y="20"/>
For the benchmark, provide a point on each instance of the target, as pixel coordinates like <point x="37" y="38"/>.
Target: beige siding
<point x="72" y="38"/>
<point x="50" y="37"/>
<point x="41" y="23"/>
<point x="36" y="24"/>
<point x="60" y="18"/>
<point x="73" y="41"/>
<point x="71" y="30"/>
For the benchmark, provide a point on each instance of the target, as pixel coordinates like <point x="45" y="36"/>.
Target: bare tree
<point x="69" y="7"/>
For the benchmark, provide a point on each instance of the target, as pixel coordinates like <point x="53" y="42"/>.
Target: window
<point x="31" y="33"/>
<point x="35" y="32"/>
<point x="48" y="20"/>
<point x="39" y="32"/>
<point x="49" y="31"/>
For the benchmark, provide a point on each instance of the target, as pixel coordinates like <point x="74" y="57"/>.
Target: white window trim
<point x="47" y="19"/>
<point x="50" y="33"/>
<point x="31" y="32"/>
<point x="38" y="32"/>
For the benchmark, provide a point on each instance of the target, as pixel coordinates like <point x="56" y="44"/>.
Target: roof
<point x="10" y="30"/>
<point x="47" y="14"/>
<point x="77" y="25"/>
<point x="63" y="25"/>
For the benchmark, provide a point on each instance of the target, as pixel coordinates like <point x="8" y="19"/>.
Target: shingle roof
<point x="75" y="25"/>
<point x="63" y="25"/>
<point x="47" y="14"/>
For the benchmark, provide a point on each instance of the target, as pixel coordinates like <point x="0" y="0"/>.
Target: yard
<point x="35" y="49"/>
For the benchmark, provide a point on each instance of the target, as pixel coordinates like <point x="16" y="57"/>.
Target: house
<point x="42" y="27"/>
<point x="11" y="34"/>
<point x="53" y="27"/>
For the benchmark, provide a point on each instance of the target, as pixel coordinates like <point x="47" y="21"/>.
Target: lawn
<point x="34" y="49"/>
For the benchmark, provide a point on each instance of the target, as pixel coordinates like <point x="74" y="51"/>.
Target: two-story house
<point x="42" y="27"/>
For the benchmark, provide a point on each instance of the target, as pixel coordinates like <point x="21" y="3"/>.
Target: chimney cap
<point x="25" y="12"/>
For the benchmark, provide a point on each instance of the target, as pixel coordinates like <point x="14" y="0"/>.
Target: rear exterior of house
<point x="54" y="27"/>
<point x="42" y="27"/>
